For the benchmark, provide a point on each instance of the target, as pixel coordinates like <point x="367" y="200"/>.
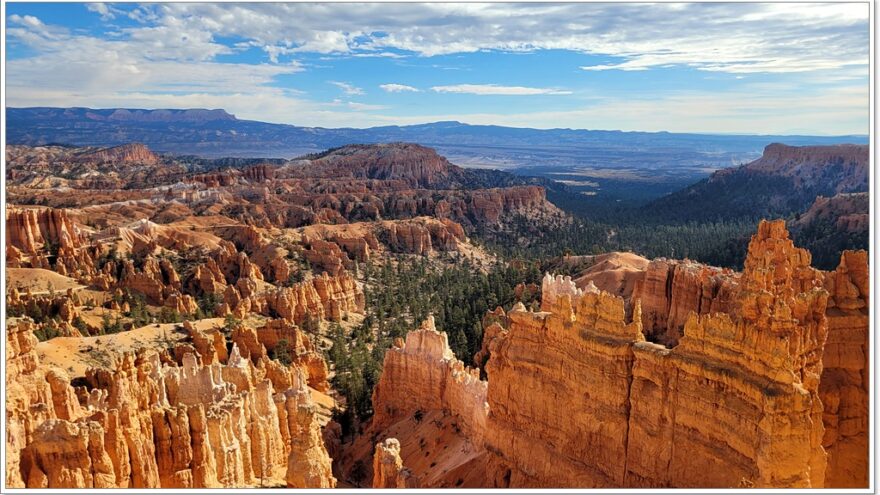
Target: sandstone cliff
<point x="126" y="154"/>
<point x="434" y="407"/>
<point x="669" y="290"/>
<point x="845" y="385"/>
<point x="30" y="230"/>
<point x="413" y="164"/>
<point x="422" y="373"/>
<point x="758" y="380"/>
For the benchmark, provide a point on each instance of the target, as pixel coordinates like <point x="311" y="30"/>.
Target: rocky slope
<point x="761" y="381"/>
<point x="183" y="310"/>
<point x="129" y="165"/>
<point x="354" y="183"/>
<point x="418" y="166"/>
<point x="437" y="405"/>
<point x="784" y="181"/>
<point x="833" y="224"/>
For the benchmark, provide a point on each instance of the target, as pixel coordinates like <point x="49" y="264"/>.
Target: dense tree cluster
<point x="399" y="296"/>
<point x="720" y="243"/>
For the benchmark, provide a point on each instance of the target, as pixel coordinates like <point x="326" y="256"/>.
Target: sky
<point x="772" y="68"/>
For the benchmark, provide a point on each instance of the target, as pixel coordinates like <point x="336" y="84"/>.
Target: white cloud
<point x="347" y="88"/>
<point x="170" y="59"/>
<point x="398" y="88"/>
<point x="732" y="37"/>
<point x="27" y="20"/>
<point x="494" y="89"/>
<point x="106" y="12"/>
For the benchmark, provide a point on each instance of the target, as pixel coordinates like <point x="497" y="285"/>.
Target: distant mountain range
<point x="215" y="133"/>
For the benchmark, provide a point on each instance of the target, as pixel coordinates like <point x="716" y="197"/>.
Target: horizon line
<point x="459" y="122"/>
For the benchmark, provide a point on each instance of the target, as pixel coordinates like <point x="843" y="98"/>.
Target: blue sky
<point x="729" y="68"/>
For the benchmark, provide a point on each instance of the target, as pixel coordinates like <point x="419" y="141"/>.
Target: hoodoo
<point x="748" y="381"/>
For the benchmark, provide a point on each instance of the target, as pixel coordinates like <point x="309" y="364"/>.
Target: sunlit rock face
<point x="423" y="374"/>
<point x="152" y="422"/>
<point x="762" y="384"/>
<point x="845" y="381"/>
<point x="388" y="469"/>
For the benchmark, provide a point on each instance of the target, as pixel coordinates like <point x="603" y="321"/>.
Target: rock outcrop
<point x="693" y="406"/>
<point x="424" y="236"/>
<point x="30" y="230"/>
<point x="669" y="290"/>
<point x="559" y="391"/>
<point x="133" y="153"/>
<point x="388" y="469"/>
<point x="150" y="422"/>
<point x="413" y="164"/>
<point x="434" y="411"/>
<point x="29" y="400"/>
<point x="423" y="374"/>
<point x="762" y="381"/>
<point x="844" y="386"/>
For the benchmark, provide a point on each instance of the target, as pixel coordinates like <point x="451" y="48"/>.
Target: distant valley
<point x="619" y="165"/>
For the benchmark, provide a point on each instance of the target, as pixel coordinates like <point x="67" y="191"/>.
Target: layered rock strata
<point x="844" y="386"/>
<point x="762" y="381"/>
<point x="151" y="422"/>
<point x="423" y="374"/>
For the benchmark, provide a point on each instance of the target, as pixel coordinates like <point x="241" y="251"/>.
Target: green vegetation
<point x="399" y="296"/>
<point x="721" y="243"/>
<point x="110" y="326"/>
<point x="207" y="304"/>
<point x="826" y="241"/>
<point x="137" y="305"/>
<point x="169" y="315"/>
<point x="47" y="331"/>
<point x="81" y="326"/>
<point x="281" y="352"/>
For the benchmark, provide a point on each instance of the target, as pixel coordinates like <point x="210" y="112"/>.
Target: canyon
<point x="169" y="320"/>
<point x="700" y="377"/>
<point x="181" y="322"/>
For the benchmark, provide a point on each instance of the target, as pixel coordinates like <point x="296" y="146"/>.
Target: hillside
<point x="785" y="180"/>
<point x="413" y="164"/>
<point x="832" y="225"/>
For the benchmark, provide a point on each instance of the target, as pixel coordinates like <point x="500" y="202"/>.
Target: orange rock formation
<point x="152" y="422"/>
<point x="422" y="373"/>
<point x="844" y="386"/>
<point x="762" y="381"/>
<point x="388" y="470"/>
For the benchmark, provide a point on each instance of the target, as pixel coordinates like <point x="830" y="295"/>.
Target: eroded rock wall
<point x="423" y="374"/>
<point x="578" y="399"/>
<point x="762" y="383"/>
<point x="558" y="394"/>
<point x="670" y="290"/>
<point x="388" y="469"/>
<point x="845" y="384"/>
<point x="152" y="422"/>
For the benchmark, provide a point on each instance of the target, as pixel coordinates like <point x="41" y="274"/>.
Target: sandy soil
<point x="432" y="448"/>
<point x="77" y="354"/>
<point x="39" y="280"/>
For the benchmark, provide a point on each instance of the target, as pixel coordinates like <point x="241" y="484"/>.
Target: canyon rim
<point x="437" y="246"/>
